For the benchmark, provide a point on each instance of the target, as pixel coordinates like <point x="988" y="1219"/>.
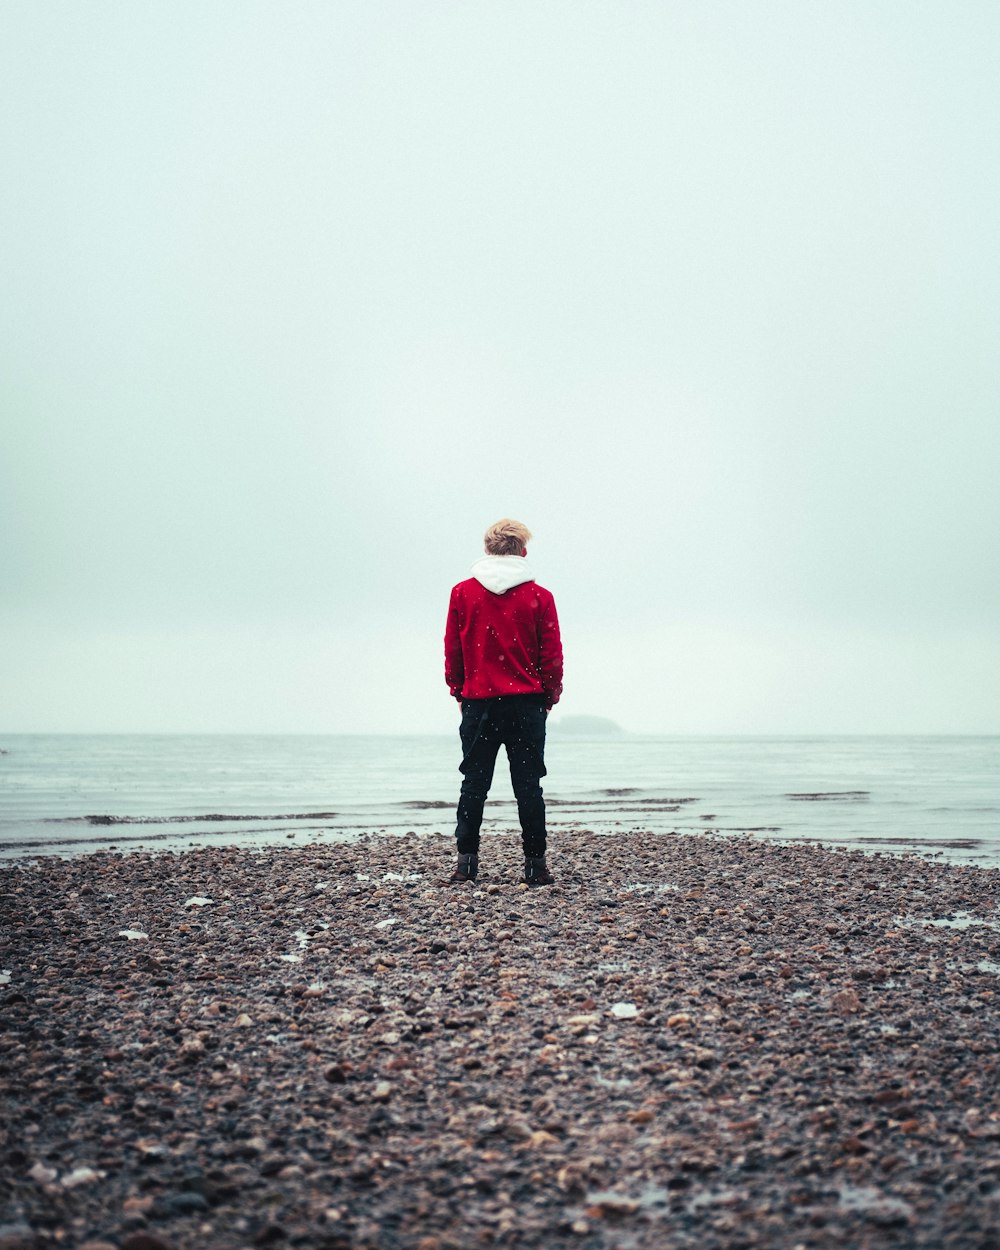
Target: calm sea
<point x="65" y="794"/>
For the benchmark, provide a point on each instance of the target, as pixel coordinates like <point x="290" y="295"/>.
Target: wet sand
<point x="689" y="1041"/>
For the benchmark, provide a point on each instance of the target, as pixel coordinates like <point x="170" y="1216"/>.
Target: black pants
<point x="517" y="722"/>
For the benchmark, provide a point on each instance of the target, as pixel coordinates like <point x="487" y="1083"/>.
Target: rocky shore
<point x="687" y="1042"/>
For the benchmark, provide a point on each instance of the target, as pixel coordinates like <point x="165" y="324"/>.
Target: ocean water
<point x="66" y="794"/>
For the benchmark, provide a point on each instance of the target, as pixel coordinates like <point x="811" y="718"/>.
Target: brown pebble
<point x="143" y="1240"/>
<point x="137" y="1205"/>
<point x="845" y="1002"/>
<point x="611" y="1204"/>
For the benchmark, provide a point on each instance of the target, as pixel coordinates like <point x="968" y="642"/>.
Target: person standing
<point x="503" y="662"/>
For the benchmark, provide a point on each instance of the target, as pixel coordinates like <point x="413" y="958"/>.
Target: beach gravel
<point x="686" y="1042"/>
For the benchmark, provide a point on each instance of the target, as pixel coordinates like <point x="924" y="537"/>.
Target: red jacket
<point x="503" y="640"/>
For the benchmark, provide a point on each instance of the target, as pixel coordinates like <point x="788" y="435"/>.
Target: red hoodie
<point x="502" y="635"/>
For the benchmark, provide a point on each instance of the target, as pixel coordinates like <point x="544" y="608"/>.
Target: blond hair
<point x="506" y="538"/>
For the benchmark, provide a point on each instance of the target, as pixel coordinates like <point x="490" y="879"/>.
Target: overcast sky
<point x="297" y="298"/>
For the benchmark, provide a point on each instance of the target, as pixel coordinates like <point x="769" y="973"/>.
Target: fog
<point x="297" y="299"/>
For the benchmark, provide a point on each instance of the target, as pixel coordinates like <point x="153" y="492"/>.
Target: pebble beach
<point x="688" y="1041"/>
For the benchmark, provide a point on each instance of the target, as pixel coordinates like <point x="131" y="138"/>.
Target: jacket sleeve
<point x="454" y="666"/>
<point x="550" y="652"/>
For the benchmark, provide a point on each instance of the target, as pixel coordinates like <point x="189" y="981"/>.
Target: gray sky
<point x="297" y="298"/>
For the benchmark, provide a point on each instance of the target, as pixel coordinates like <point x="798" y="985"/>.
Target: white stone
<point x="625" y="1011"/>
<point x="80" y="1176"/>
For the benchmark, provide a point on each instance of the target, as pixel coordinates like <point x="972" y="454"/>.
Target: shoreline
<point x="689" y="1040"/>
<point x="974" y="852"/>
<point x="933" y="794"/>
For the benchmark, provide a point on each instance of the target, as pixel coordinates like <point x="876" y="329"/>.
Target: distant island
<point x="589" y="726"/>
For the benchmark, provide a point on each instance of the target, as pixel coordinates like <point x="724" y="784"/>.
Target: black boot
<point x="466" y="870"/>
<point x="535" y="871"/>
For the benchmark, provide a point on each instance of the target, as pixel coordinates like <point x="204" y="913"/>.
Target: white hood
<point x="500" y="573"/>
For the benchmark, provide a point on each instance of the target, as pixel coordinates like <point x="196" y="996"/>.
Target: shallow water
<point x="958" y="920"/>
<point x="69" y="793"/>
